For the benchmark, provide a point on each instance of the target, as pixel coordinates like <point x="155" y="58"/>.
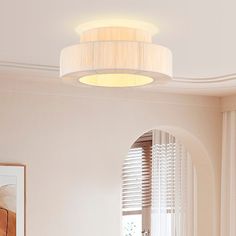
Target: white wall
<point x="74" y="147"/>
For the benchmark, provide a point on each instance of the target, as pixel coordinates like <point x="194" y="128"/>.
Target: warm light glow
<point x="116" y="80"/>
<point x="134" y="24"/>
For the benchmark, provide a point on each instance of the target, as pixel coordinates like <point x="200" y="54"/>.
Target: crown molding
<point x="28" y="66"/>
<point x="37" y="81"/>
<point x="217" y="79"/>
<point x="212" y="86"/>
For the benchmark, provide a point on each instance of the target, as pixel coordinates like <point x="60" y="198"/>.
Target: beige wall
<point x="228" y="103"/>
<point x="74" y="148"/>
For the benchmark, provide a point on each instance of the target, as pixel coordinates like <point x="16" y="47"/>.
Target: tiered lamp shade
<point x="115" y="56"/>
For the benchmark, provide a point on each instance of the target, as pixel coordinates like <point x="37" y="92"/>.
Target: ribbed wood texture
<point x="115" y="34"/>
<point x="117" y="56"/>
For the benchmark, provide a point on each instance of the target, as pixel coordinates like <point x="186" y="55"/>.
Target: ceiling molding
<point x="213" y="86"/>
<point x="28" y="66"/>
<point x="207" y="79"/>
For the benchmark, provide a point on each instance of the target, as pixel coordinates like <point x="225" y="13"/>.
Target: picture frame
<point x="12" y="199"/>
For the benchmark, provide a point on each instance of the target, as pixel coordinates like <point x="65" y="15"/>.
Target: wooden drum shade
<point x="115" y="56"/>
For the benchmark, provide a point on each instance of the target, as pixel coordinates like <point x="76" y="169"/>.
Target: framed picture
<point x="12" y="200"/>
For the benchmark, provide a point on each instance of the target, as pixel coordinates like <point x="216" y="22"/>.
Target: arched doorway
<point x="203" y="205"/>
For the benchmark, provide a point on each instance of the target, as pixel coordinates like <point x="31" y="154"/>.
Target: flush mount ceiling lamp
<point x="116" y="53"/>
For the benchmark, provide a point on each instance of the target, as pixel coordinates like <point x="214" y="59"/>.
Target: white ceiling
<point x="201" y="34"/>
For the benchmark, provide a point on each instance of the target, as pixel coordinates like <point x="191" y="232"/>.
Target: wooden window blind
<point x="137" y="175"/>
<point x="149" y="173"/>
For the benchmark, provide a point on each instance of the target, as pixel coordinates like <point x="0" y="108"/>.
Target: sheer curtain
<point x="173" y="179"/>
<point x="228" y="180"/>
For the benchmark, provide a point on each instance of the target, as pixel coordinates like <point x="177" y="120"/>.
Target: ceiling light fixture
<point x="116" y="53"/>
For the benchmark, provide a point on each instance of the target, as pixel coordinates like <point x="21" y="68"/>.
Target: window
<point x="136" y="197"/>
<point x="157" y="194"/>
